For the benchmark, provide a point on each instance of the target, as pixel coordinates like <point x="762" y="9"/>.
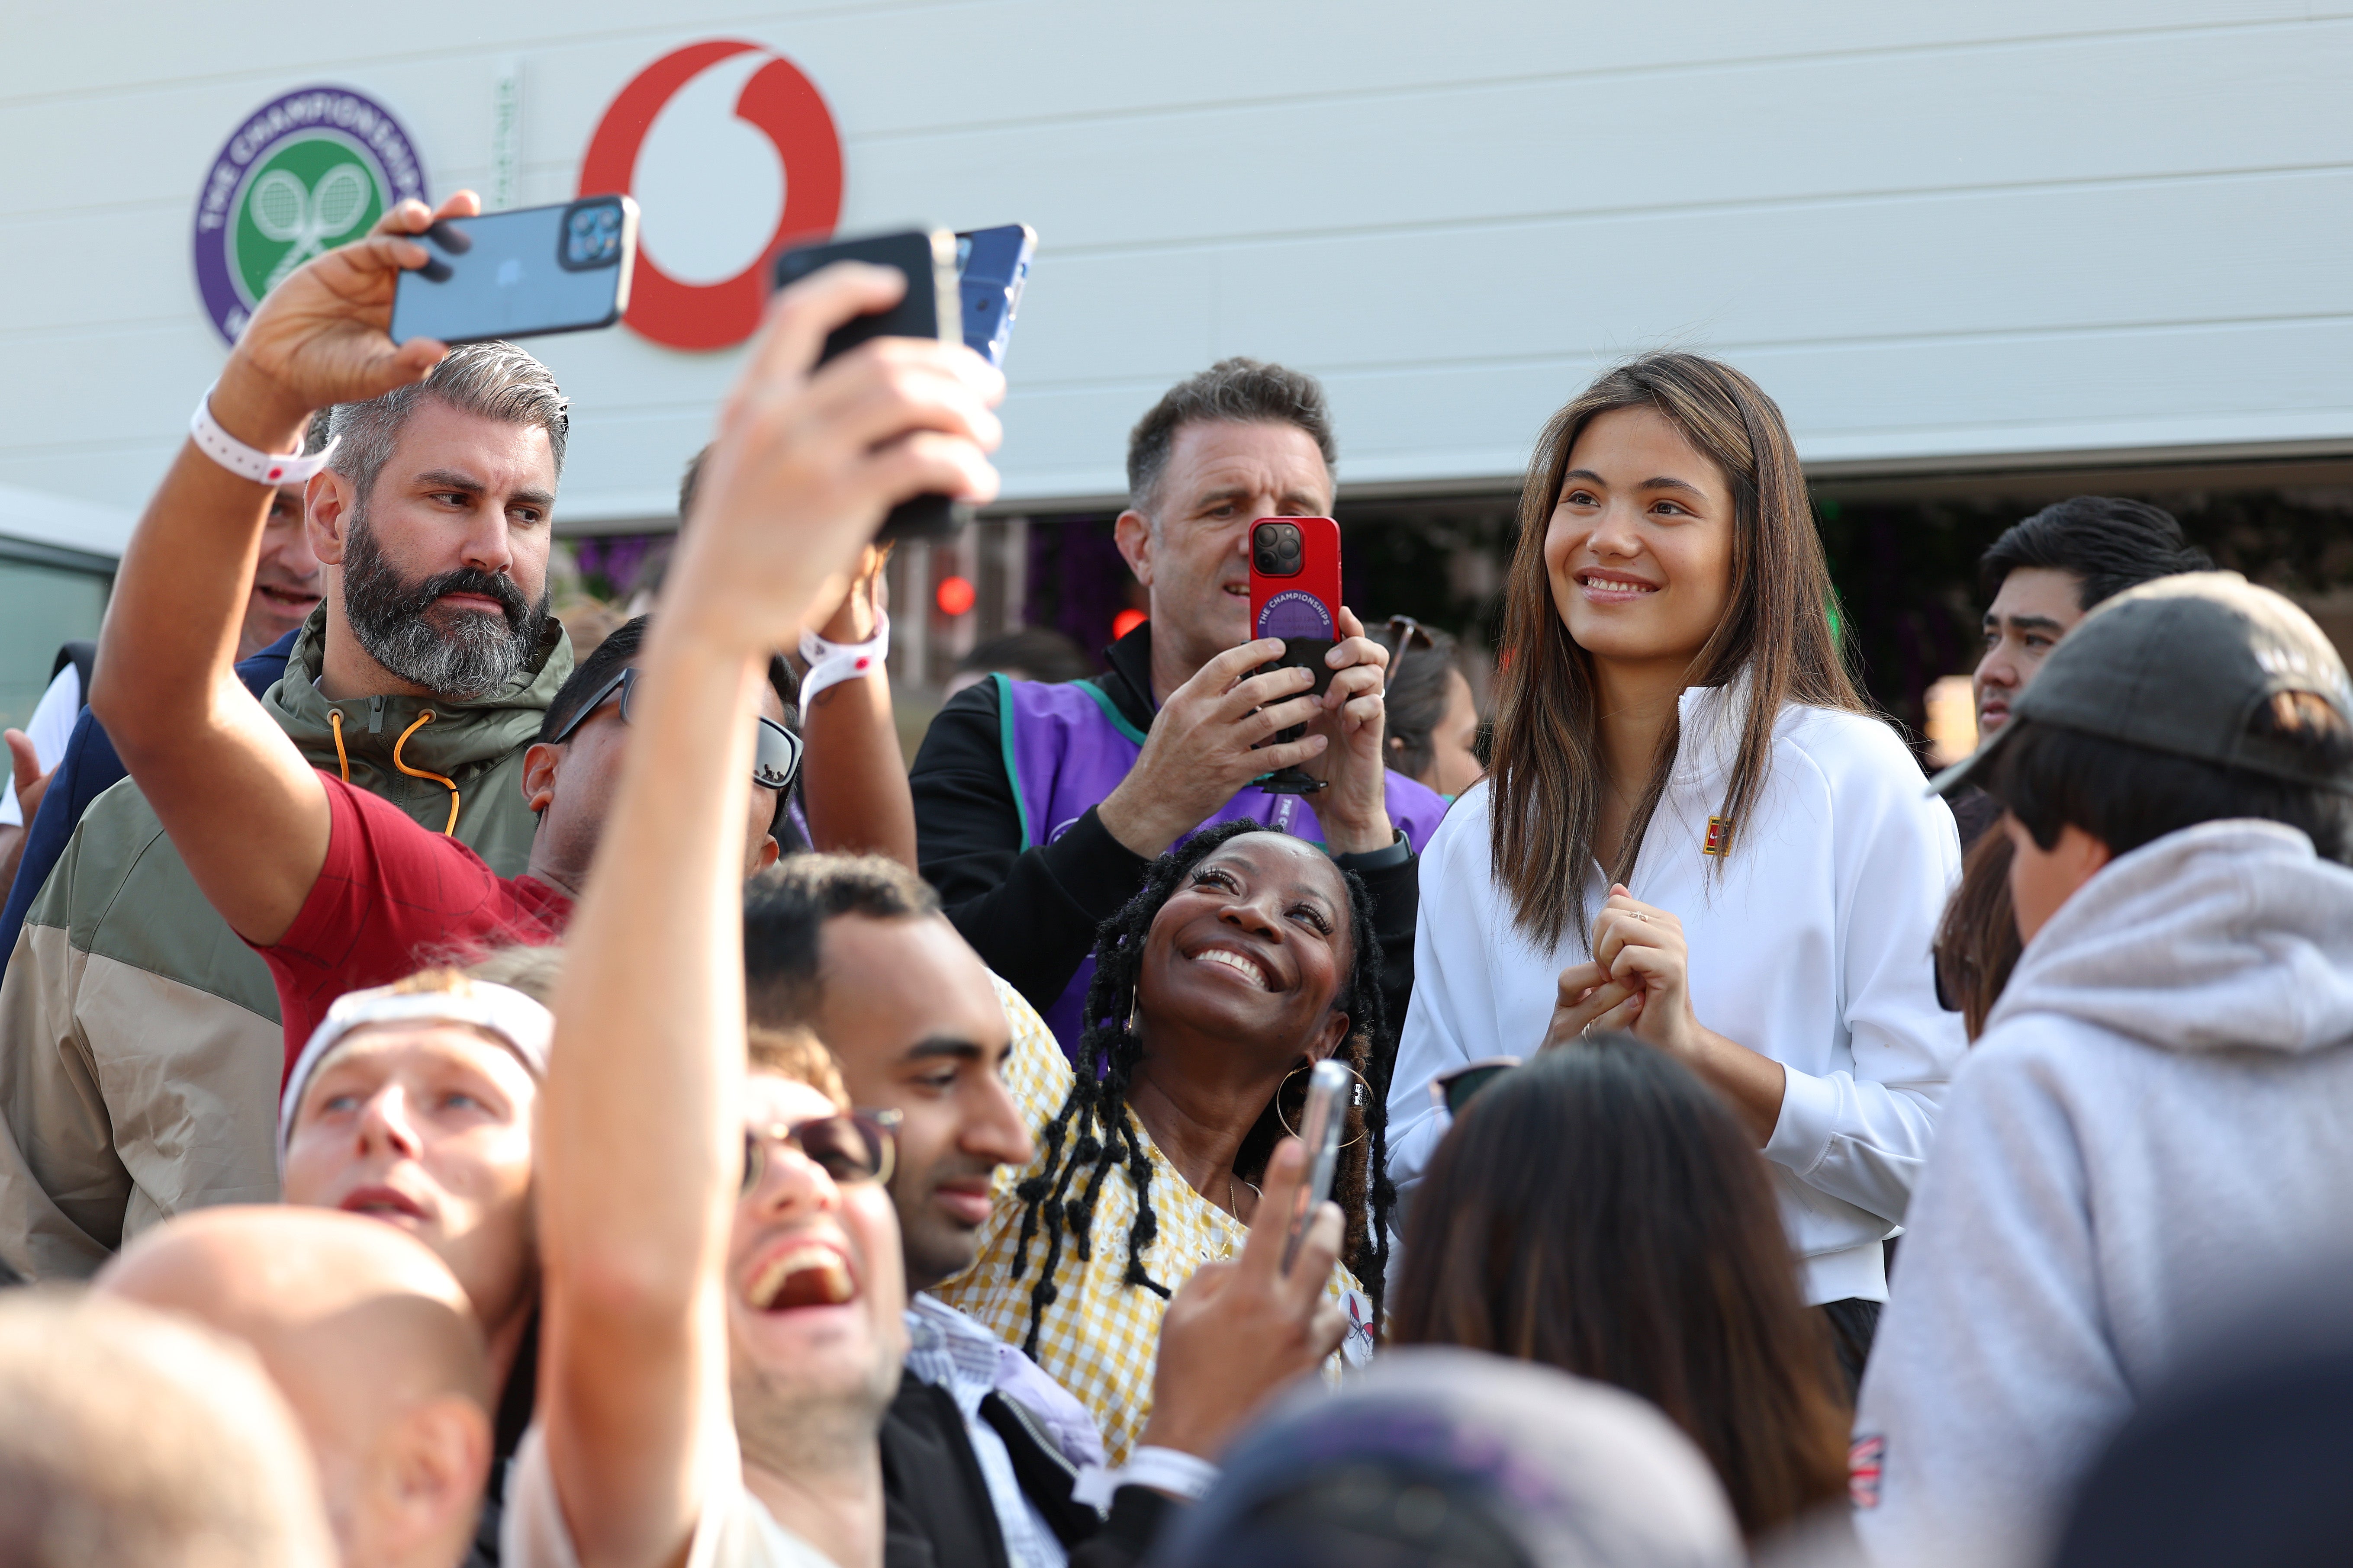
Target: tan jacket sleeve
<point x="63" y="1190"/>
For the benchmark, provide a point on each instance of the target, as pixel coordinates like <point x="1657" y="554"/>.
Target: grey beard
<point x="473" y="658"/>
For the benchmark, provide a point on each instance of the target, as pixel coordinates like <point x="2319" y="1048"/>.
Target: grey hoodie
<point x="2155" y="1131"/>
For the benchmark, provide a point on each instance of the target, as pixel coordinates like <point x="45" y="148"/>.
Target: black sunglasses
<point x="854" y="1146"/>
<point x="1451" y="1091"/>
<point x="776" y="758"/>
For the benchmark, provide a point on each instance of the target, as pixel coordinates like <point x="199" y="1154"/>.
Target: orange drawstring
<point x="450" y="784"/>
<point x="335" y="722"/>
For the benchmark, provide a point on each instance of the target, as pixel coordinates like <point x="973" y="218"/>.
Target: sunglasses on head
<point x="776" y="757"/>
<point x="1451" y="1091"/>
<point x="851" y="1146"/>
<point x="1401" y="633"/>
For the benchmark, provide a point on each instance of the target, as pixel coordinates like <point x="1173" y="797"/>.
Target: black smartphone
<point x="559" y="269"/>
<point x="928" y="310"/>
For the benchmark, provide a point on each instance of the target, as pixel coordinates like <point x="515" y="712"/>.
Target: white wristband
<point x="244" y="461"/>
<point x="832" y="663"/>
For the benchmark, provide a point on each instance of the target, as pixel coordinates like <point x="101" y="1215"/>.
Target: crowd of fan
<point x="511" y="1101"/>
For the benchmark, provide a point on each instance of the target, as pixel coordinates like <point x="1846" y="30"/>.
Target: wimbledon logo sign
<point x="304" y="174"/>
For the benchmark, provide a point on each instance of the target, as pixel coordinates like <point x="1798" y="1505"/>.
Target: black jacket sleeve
<point x="1030" y="914"/>
<point x="1394" y="881"/>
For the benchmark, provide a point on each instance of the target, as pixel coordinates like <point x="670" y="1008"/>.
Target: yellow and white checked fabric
<point x="1102" y="1335"/>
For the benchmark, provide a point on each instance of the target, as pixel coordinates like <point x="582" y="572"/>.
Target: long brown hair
<point x="1598" y="1210"/>
<point x="1977" y="941"/>
<point x="1548" y="769"/>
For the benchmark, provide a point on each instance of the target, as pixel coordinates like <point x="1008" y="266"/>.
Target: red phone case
<point x="1302" y="606"/>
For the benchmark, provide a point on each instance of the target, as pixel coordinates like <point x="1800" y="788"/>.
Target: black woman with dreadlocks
<point x="1247" y="957"/>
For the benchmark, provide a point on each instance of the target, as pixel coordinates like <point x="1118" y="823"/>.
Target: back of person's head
<point x="783" y="925"/>
<point x="1446" y="1458"/>
<point x="495" y="381"/>
<point x="2237" y="1454"/>
<point x="1414" y="703"/>
<point x="1599" y="1210"/>
<point x="2196" y="697"/>
<point x="133" y="1437"/>
<point x="2106" y="543"/>
<point x="1776" y="632"/>
<point x="1233" y="391"/>
<point x="370" y="1339"/>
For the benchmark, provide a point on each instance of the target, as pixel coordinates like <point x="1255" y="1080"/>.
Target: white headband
<point x="521" y="1023"/>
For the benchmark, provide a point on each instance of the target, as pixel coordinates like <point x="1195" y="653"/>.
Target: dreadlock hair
<point x="1094" y="1133"/>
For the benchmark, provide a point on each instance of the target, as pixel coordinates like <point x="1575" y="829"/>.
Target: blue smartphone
<point x="992" y="266"/>
<point x="559" y="269"/>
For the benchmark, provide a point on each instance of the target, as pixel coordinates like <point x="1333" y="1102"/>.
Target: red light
<point x="1125" y="622"/>
<point x="954" y="597"/>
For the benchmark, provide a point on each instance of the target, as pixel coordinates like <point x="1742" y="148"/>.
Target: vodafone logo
<point x="729" y="152"/>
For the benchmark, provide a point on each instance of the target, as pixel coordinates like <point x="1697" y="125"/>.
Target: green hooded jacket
<point x="139" y="1042"/>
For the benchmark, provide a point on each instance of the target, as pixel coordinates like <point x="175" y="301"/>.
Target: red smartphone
<point x="1294" y="584"/>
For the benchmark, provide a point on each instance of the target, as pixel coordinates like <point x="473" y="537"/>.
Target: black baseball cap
<point x="2180" y="665"/>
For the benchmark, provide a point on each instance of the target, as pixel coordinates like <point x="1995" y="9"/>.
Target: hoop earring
<point x="1357" y="1095"/>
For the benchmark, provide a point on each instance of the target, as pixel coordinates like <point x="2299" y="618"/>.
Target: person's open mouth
<point x="289" y="599"/>
<point x="1251" y="972"/>
<point x="1605" y="587"/>
<point x="801" y="1273"/>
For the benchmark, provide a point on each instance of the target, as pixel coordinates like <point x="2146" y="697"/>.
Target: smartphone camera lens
<point x="592" y="236"/>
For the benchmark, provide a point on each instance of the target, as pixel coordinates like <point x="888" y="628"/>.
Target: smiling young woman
<point x="1693" y="831"/>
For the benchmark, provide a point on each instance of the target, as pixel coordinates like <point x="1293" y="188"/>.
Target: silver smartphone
<point x="1321" y="1127"/>
<point x="559" y="269"/>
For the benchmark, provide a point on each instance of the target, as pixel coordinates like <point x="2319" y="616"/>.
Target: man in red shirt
<point x="337" y="888"/>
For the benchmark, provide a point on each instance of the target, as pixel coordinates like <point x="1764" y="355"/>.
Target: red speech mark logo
<point x="782" y="104"/>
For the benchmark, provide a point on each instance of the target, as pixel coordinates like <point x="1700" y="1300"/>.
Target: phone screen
<point x="559" y="269"/>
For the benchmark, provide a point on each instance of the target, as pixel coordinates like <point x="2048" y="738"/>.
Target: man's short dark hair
<point x="620" y="649"/>
<point x="2107" y="543"/>
<point x="2127" y="795"/>
<point x="1235" y="391"/>
<point x="784" y="922"/>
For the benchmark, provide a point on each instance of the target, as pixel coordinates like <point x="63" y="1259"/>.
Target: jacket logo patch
<point x="1864" y="1463"/>
<point x="1719" y="835"/>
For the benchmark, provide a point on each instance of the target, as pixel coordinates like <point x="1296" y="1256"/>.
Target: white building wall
<point x="1993" y="233"/>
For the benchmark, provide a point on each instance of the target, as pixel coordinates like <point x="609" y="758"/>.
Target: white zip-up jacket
<point x="2153" y="1135"/>
<point x="1812" y="948"/>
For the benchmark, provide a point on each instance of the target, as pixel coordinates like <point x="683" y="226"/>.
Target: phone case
<point x="1294" y="585"/>
<point x="992" y="265"/>
<point x="928" y="310"/>
<point x="563" y="268"/>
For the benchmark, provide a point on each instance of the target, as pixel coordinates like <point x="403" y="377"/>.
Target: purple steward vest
<point x="1067" y="747"/>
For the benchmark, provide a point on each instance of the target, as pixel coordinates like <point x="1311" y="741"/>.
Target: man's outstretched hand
<point x="323" y="335"/>
<point x="1236" y="1334"/>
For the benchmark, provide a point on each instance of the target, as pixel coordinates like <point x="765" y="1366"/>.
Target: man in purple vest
<point x="1038" y="807"/>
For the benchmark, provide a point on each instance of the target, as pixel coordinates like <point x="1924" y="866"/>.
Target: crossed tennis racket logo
<point x="308" y="220"/>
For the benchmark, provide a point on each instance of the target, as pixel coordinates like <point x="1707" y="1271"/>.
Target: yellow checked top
<point x="1100" y="1338"/>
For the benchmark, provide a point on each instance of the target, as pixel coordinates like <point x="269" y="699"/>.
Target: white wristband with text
<point x="832" y="663"/>
<point x="245" y="462"/>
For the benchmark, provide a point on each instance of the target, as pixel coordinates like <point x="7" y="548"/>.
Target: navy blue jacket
<point x="88" y="770"/>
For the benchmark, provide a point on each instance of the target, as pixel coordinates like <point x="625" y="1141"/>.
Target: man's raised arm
<point x="243" y="808"/>
<point x="641" y="1123"/>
